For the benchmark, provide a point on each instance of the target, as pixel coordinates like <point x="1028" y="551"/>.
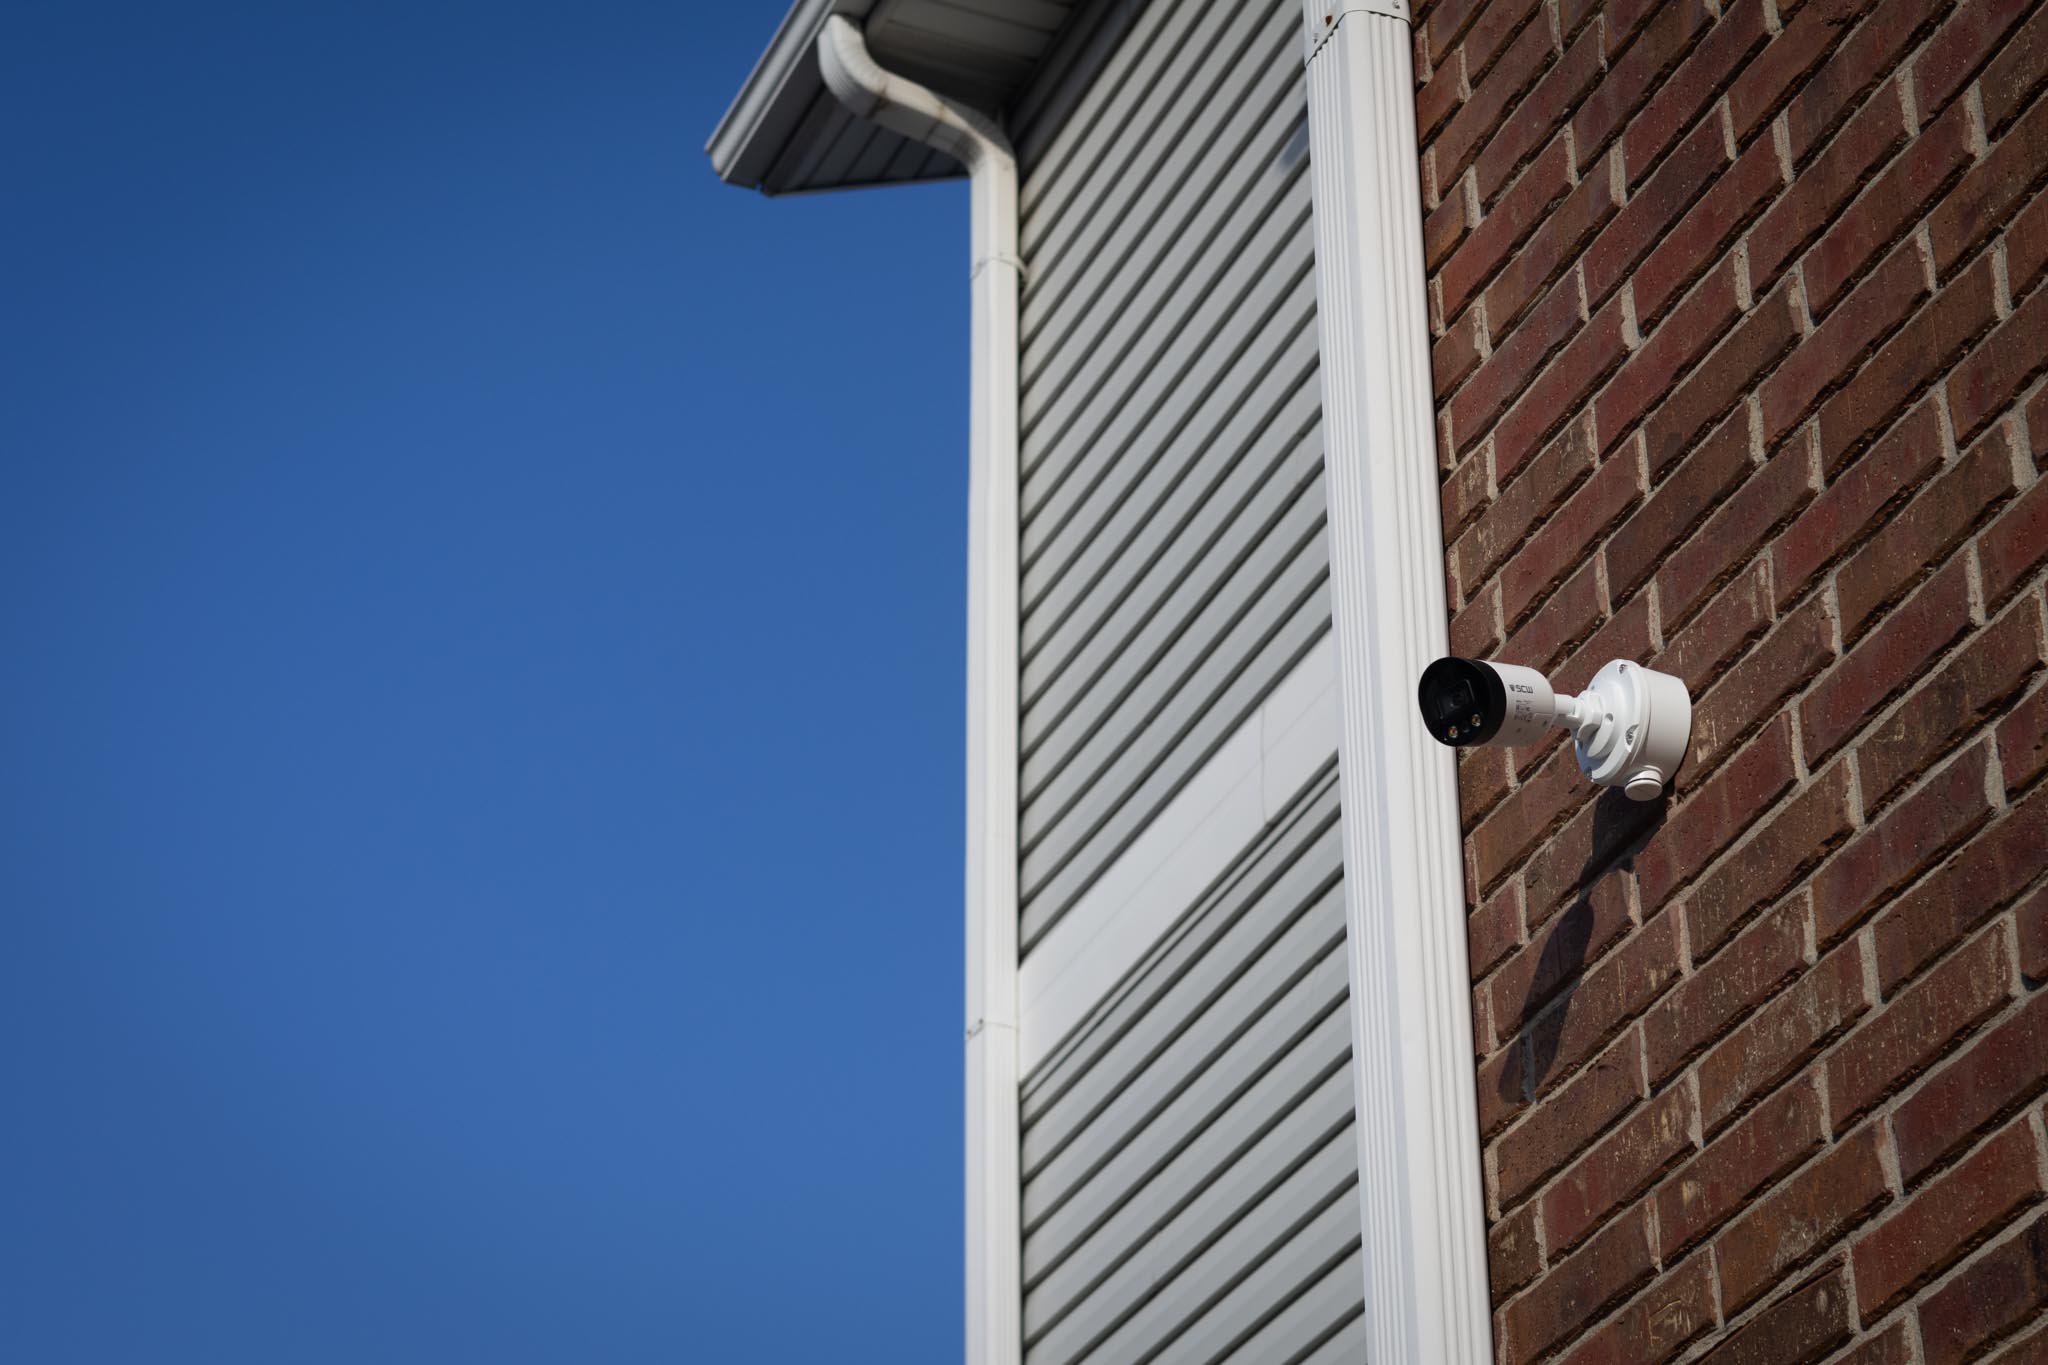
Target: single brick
<point x="1877" y="130"/>
<point x="1743" y="522"/>
<point x="1723" y="629"/>
<point x="1658" y="1323"/>
<point x="1981" y="201"/>
<point x="1923" y="1023"/>
<point x="1561" y="542"/>
<point x="1753" y="347"/>
<point x="1963" y="311"/>
<point x="2015" y="73"/>
<point x="1516" y="359"/>
<point x="1768" y="81"/>
<point x="1555" y="1131"/>
<point x="1558" y="952"/>
<point x="1921" y="534"/>
<point x="1782" y="662"/>
<point x="1636" y="74"/>
<point x="1619" y="1167"/>
<point x="1801" y="1217"/>
<point x="1670" y="351"/>
<point x="1804" y="1325"/>
<point x="1991" y="668"/>
<point x="1989" y="871"/>
<point x="1551" y="247"/>
<point x="1714" y="816"/>
<point x="1995" y="1075"/>
<point x="1842" y="513"/>
<point x="1909" y="839"/>
<point x="1946" y="1219"/>
<point x="1703" y="1006"/>
<point x="1885" y="211"/>
<point x="1456" y="354"/>
<point x="1513" y="1256"/>
<point x="2013" y="546"/>
<point x="2023" y="741"/>
<point x="1779" y="1038"/>
<point x="1686" y="92"/>
<point x="1579" y="1289"/>
<point x="1728" y="205"/>
<point x="1960" y="47"/>
<point x="1438" y="97"/>
<point x="1831" y="354"/>
<point x="1698" y="482"/>
<point x="2026" y="248"/>
<point x="1994" y="373"/>
<point x="1894" y="655"/>
<point x="2037" y="425"/>
<point x="2032" y="920"/>
<point x="1556" y="393"/>
<point x="1798" y="836"/>
<point x="1999" y="1290"/>
<point x="1547" y="181"/>
<point x="1779" y="1134"/>
<point x="1682" y="177"/>
<point x="1537" y="117"/>
<point x="1443" y="229"/>
<point x="1493" y="97"/>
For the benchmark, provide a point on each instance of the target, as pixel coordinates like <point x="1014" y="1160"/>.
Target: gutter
<point x="994" y="1226"/>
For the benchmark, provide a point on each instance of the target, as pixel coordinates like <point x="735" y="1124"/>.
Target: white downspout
<point x="1420" y="1198"/>
<point x="994" y="1230"/>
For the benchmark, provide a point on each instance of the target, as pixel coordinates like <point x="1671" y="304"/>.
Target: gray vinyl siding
<point x="1189" y="1160"/>
<point x="1190" y="1167"/>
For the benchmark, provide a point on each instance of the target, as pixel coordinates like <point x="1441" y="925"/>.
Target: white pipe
<point x="994" y="1228"/>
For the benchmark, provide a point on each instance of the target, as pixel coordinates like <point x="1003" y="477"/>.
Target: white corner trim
<point x="1418" y="1133"/>
<point x="995" y="1284"/>
<point x="1146" y="891"/>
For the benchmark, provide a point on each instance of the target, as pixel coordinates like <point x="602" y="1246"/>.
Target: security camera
<point x="1630" y="726"/>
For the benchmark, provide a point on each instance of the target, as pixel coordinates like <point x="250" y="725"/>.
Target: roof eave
<point x="761" y="117"/>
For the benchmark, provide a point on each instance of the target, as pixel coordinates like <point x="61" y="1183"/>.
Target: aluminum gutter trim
<point x="1421" y="1205"/>
<point x="995" y="1237"/>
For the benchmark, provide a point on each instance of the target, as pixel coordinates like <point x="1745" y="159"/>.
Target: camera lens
<point x="1463" y="702"/>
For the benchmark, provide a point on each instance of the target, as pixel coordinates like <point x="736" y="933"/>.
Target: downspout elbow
<point x="903" y="106"/>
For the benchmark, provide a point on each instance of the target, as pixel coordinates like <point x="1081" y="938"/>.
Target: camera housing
<point x="1629" y="727"/>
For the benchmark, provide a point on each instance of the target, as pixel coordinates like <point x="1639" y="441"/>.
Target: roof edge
<point x="775" y="94"/>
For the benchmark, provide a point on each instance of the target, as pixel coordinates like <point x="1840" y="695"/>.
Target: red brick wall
<point x="1739" y="320"/>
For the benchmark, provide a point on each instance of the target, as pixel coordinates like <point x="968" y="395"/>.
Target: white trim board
<point x="1420" y="1208"/>
<point x="1203" y="830"/>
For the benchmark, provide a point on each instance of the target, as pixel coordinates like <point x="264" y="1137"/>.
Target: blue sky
<point x="481" y="710"/>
